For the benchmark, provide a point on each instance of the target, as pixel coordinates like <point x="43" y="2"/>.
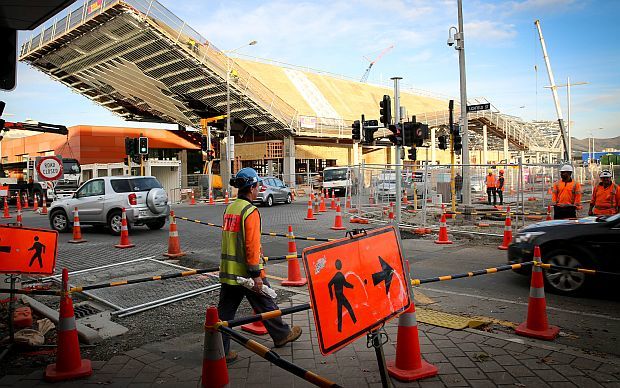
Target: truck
<point x="21" y="177"/>
<point x="337" y="179"/>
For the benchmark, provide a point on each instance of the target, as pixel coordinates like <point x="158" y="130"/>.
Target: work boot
<point x="292" y="336"/>
<point x="231" y="356"/>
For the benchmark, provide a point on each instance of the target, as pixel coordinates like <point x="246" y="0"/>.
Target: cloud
<point x="488" y="31"/>
<point x="541" y="5"/>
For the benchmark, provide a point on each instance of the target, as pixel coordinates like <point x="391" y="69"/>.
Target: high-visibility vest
<point x="491" y="181"/>
<point x="501" y="182"/>
<point x="604" y="204"/>
<point x="568" y="194"/>
<point x="233" y="262"/>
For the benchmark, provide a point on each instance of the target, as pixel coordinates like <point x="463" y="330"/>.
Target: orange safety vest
<point x="605" y="200"/>
<point x="500" y="185"/>
<point x="568" y="193"/>
<point x="491" y="181"/>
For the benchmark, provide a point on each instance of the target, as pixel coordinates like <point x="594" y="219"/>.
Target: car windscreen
<point x="335" y="175"/>
<point x="71" y="167"/>
<point x="138" y="184"/>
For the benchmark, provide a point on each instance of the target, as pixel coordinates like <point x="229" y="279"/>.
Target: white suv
<point x="100" y="201"/>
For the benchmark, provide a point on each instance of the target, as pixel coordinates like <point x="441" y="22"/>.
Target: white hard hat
<point x="566" y="167"/>
<point x="605" y="174"/>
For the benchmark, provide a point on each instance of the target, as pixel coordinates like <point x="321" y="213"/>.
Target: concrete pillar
<point x="288" y="173"/>
<point x="484" y="145"/>
<point x="182" y="155"/>
<point x="224" y="168"/>
<point x="506" y="152"/>
<point x="355" y="154"/>
<point x="433" y="146"/>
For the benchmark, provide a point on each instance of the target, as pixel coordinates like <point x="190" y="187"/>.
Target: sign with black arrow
<point x="356" y="284"/>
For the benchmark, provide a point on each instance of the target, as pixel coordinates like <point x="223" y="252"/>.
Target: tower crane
<point x="367" y="72"/>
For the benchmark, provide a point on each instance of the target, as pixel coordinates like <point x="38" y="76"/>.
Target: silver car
<point x="101" y="200"/>
<point x="273" y="190"/>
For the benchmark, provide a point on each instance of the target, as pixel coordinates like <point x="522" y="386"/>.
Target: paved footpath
<point x="465" y="358"/>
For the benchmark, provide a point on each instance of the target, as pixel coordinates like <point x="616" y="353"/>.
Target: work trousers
<point x="491" y="191"/>
<point x="500" y="194"/>
<point x="230" y="299"/>
<point x="564" y="212"/>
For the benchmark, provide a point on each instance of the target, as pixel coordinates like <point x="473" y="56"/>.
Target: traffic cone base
<point x="425" y="370"/>
<point x="295" y="283"/>
<point x="549" y="334"/>
<point x="53" y="375"/>
<point x="121" y="246"/>
<point x="255" y="328"/>
<point x="77" y="241"/>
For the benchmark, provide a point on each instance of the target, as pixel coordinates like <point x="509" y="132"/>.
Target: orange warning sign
<point x="356" y="284"/>
<point x="27" y="250"/>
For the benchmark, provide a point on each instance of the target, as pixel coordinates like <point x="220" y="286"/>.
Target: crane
<point x="367" y="72"/>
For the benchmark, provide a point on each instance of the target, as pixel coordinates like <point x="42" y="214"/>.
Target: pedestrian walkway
<point x="465" y="358"/>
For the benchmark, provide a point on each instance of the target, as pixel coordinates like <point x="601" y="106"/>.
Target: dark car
<point x="591" y="242"/>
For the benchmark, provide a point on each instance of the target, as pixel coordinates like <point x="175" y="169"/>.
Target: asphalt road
<point x="591" y="323"/>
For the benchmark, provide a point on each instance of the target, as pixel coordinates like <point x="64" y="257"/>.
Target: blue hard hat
<point x="245" y="177"/>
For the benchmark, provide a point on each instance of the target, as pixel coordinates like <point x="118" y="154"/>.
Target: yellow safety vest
<point x="232" y="261"/>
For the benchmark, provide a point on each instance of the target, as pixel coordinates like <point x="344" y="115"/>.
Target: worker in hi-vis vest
<point x="499" y="187"/>
<point x="605" y="197"/>
<point x="566" y="195"/>
<point x="491" y="187"/>
<point x="242" y="257"/>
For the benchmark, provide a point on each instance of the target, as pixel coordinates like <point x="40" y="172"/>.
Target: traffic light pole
<point x="464" y="122"/>
<point x="397" y="159"/>
<point x="452" y="182"/>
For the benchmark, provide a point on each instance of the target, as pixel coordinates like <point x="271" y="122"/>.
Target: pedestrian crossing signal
<point x="443" y="142"/>
<point x="143" y="145"/>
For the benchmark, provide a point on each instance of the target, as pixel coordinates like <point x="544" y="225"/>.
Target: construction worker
<point x="606" y="197"/>
<point x="491" y="189"/>
<point x="242" y="257"/>
<point x="566" y="195"/>
<point x="499" y="187"/>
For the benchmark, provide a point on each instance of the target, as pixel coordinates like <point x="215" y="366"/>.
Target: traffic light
<point x="409" y="132"/>
<point x="143" y="145"/>
<point x="412" y="153"/>
<point x="356" y="132"/>
<point x="397" y="135"/>
<point x="386" y="110"/>
<point x="456" y="141"/>
<point x="126" y="161"/>
<point x="129" y="146"/>
<point x="136" y="159"/>
<point x="421" y="133"/>
<point x="204" y="143"/>
<point x="443" y="142"/>
<point x="210" y="155"/>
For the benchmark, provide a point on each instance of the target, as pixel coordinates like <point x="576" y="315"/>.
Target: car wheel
<point x="269" y="201"/>
<point x="565" y="282"/>
<point x="59" y="221"/>
<point x="289" y="198"/>
<point x="155" y="225"/>
<point x="114" y="222"/>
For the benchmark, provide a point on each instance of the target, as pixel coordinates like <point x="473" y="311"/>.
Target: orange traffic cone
<point x="257" y="327"/>
<point x="174" y="245"/>
<point x="536" y="324"/>
<point x="214" y="370"/>
<point x="391" y="212"/>
<point x="294" y="271"/>
<point x="322" y="207"/>
<point x="315" y="206"/>
<point x="443" y="232"/>
<point x="348" y="203"/>
<point x="35" y="203"/>
<point x="310" y="215"/>
<point x="405" y="197"/>
<point x="18" y="203"/>
<point x="409" y="365"/>
<point x="507" y="231"/>
<point x="192" y="199"/>
<point x="124" y="243"/>
<point x="332" y="206"/>
<point x="211" y="200"/>
<point x="44" y="210"/>
<point x="338" y="220"/>
<point x="69" y="363"/>
<point x="6" y="209"/>
<point x="226" y="199"/>
<point x="548" y="213"/>
<point x="77" y="230"/>
<point x="25" y="199"/>
<point x="18" y="219"/>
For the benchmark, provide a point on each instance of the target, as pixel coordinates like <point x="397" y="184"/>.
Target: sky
<point x="504" y="61"/>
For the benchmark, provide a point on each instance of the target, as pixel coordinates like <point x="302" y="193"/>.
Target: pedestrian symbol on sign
<point x="338" y="283"/>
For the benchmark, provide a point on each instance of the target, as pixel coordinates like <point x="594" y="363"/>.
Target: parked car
<point x="100" y="201"/>
<point x="591" y="242"/>
<point x="273" y="190"/>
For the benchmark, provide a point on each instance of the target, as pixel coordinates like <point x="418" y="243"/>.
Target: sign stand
<point x="12" y="279"/>
<point x="374" y="339"/>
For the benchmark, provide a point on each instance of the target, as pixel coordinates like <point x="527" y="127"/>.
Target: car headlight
<point x="527" y="237"/>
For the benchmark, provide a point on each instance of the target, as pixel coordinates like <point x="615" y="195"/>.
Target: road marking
<point x="523" y="304"/>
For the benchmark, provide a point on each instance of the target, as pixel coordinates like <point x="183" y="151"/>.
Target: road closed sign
<point x="49" y="168"/>
<point x="28" y="251"/>
<point x="356" y="284"/>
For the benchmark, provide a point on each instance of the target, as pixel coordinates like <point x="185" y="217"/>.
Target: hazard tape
<point x="417" y="282"/>
<point x="496" y="213"/>
<point x="268" y="315"/>
<point x="275" y="359"/>
<point x="262" y="233"/>
<point x="581" y="270"/>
